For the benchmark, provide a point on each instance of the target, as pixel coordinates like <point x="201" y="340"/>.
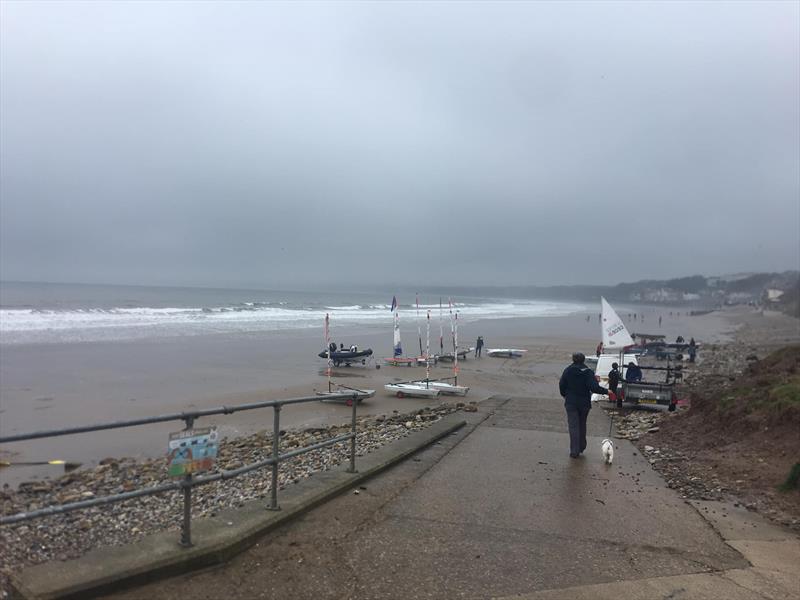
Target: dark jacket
<point x="577" y="384"/>
<point x="633" y="374"/>
<point x="613" y="379"/>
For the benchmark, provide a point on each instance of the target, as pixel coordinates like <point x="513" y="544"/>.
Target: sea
<point x="57" y="313"/>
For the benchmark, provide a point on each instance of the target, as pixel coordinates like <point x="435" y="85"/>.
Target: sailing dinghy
<point x="418" y="389"/>
<point x="415" y="390"/>
<point x="445" y="388"/>
<point x="397" y="359"/>
<point x="615" y="338"/>
<point x="340" y="392"/>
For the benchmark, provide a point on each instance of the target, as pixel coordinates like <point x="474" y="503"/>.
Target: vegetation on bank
<point x="768" y="392"/>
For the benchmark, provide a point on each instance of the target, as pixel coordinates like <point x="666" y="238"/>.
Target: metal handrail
<point x="189" y="481"/>
<point x="182" y="416"/>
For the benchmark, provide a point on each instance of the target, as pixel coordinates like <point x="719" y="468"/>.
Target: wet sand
<point x="66" y="385"/>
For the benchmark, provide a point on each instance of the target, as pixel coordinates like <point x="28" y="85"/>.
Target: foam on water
<point x="21" y="325"/>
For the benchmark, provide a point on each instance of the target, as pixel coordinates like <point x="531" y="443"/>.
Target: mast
<point x="328" y="346"/>
<point x="455" y="350"/>
<point x="428" y="353"/>
<point x="419" y="331"/>
<point x="441" y="328"/>
<point x="397" y="349"/>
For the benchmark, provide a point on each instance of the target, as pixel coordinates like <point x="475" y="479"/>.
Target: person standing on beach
<point x="478" y="346"/>
<point x="576" y="386"/>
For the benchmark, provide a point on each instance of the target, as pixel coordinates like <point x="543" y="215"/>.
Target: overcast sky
<point x="268" y="144"/>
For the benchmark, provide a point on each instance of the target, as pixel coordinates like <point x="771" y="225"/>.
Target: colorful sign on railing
<point x="192" y="451"/>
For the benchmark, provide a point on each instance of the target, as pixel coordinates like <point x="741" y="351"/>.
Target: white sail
<point x="615" y="336"/>
<point x="398" y="348"/>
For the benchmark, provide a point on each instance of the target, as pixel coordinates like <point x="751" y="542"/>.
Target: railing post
<point x="352" y="468"/>
<point x="186" y="530"/>
<point x="276" y="435"/>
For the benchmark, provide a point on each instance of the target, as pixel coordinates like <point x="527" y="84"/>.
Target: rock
<point x="471" y="408"/>
<point x="34" y="487"/>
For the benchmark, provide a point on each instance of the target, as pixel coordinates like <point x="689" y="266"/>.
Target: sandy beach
<point x="64" y="385"/>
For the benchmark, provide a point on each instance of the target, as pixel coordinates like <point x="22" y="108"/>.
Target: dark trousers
<point x="576" y="420"/>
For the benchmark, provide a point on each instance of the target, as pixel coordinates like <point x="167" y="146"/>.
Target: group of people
<point x="633" y="373"/>
<point x="332" y="347"/>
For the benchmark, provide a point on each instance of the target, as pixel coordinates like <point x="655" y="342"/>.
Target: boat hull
<point x="415" y="391"/>
<point x="506" y="352"/>
<point x="346" y="396"/>
<point x="447" y="389"/>
<point x="347" y="357"/>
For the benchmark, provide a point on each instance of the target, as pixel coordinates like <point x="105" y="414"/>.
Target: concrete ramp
<point x="507" y="512"/>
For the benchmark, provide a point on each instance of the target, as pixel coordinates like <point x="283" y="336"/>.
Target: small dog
<point x="608" y="451"/>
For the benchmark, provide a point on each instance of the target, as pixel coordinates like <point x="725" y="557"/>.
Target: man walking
<point x="576" y="386"/>
<point x="478" y="346"/>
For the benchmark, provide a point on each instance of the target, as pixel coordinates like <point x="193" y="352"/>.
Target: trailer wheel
<point x="671" y="408"/>
<point x="401" y="395"/>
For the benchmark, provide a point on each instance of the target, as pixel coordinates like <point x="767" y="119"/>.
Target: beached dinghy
<point x="339" y="393"/>
<point x="414" y="390"/>
<point x="506" y="352"/>
<point x="345" y="395"/>
<point x="397" y="359"/>
<point x="400" y="361"/>
<point x="451" y="357"/>
<point x="447" y="389"/>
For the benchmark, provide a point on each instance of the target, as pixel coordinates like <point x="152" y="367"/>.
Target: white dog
<point x="608" y="451"/>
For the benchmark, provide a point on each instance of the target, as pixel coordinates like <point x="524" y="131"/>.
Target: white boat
<point x="445" y="388"/>
<point x="412" y="390"/>
<point x="345" y="395"/>
<point x="506" y="352"/>
<point x="463" y="353"/>
<point x="615" y="337"/>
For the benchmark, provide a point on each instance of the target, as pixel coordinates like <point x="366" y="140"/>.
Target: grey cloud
<point x="286" y="144"/>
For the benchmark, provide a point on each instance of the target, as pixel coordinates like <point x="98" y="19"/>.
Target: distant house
<point x="661" y="295"/>
<point x="740" y="298"/>
<point x="774" y="295"/>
